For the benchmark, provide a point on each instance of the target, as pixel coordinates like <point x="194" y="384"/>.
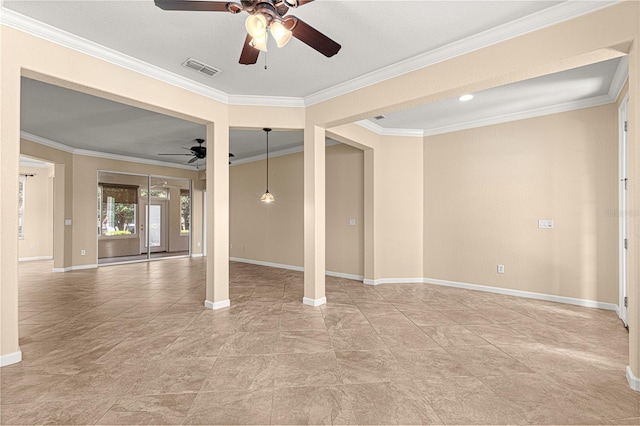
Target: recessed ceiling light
<point x="465" y="98"/>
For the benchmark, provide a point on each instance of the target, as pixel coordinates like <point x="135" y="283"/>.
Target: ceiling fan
<point x="263" y="15"/>
<point x="198" y="152"/>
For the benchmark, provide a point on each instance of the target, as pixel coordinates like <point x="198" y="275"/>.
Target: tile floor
<point x="132" y="344"/>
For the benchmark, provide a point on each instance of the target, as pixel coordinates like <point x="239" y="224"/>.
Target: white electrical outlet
<point x="352" y="222"/>
<point x="545" y="223"/>
<point x="33" y="246"/>
<point x="198" y="244"/>
<point x="83" y="252"/>
<point x="501" y="269"/>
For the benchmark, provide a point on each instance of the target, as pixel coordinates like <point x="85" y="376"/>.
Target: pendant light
<point x="267" y="197"/>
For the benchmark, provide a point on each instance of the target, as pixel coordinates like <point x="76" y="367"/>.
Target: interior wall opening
<point x="35" y="209"/>
<point x="272" y="233"/>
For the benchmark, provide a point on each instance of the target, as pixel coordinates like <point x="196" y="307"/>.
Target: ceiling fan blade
<point x="303" y="2"/>
<point x="249" y="54"/>
<point x="311" y="37"/>
<point x="203" y="6"/>
<point x="231" y="155"/>
<point x="175" y="154"/>
<point x="193" y="160"/>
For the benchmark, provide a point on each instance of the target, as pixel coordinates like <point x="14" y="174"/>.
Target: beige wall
<point x="274" y="232"/>
<point x="38" y="214"/>
<point x="261" y="231"/>
<point x="398" y="204"/>
<point x="345" y="201"/>
<point x="486" y="188"/>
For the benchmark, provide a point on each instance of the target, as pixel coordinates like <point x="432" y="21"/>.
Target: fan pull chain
<point x="265" y="60"/>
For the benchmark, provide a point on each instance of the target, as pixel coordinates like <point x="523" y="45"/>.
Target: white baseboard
<point x="343" y="275"/>
<point x="379" y="281"/>
<point x="295" y="268"/>
<point x="498" y="290"/>
<point x="11" y="358"/>
<point x="29" y="259"/>
<point x="269" y="264"/>
<point x="634" y="382"/>
<point x="197" y="255"/>
<point x="217" y="305"/>
<point x="314" y="302"/>
<point x="75" y="268"/>
<point x="527" y="294"/>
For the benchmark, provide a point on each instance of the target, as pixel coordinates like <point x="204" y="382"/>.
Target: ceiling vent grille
<point x="205" y="69"/>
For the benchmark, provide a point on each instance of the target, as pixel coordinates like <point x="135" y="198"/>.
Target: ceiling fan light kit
<point x="264" y="16"/>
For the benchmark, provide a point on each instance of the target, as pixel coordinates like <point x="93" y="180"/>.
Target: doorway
<point x="154" y="219"/>
<point x="142" y="217"/>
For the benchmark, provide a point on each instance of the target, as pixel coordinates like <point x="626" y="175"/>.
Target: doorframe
<point x="622" y="208"/>
<point x="204" y="222"/>
<point x="164" y="228"/>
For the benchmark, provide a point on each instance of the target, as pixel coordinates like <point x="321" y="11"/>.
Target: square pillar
<point x="314" y="216"/>
<point x="217" y="296"/>
<point x="9" y="169"/>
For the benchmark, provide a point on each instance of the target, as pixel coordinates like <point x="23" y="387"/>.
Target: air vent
<point x="205" y="69"/>
<point x="379" y="117"/>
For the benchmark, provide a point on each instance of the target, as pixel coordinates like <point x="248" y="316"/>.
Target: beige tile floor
<point x="132" y="344"/>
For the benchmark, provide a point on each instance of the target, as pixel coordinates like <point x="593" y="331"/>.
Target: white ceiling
<point x="379" y="39"/>
<point x="590" y="85"/>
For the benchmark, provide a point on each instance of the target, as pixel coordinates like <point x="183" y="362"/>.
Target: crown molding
<point x="536" y="21"/>
<point x="272" y="154"/>
<point x="26" y="161"/>
<point x="382" y="131"/>
<point x="619" y="78"/>
<point x="62" y="147"/>
<point x="522" y="115"/>
<point x="268" y="101"/>
<point x="279" y="153"/>
<point x="55" y="35"/>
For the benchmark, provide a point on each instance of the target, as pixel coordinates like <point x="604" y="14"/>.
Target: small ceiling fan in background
<point x="198" y="152"/>
<point x="263" y="15"/>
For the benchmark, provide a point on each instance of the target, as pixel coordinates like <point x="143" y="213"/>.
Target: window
<point x="118" y="209"/>
<point x="155" y="193"/>
<point x="185" y="211"/>
<point x="21" y="185"/>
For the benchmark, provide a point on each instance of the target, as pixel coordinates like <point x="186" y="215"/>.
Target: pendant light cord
<point x="267" y="161"/>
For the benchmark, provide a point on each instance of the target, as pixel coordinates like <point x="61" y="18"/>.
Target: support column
<point x="314" y="216"/>
<point x="9" y="169"/>
<point x="217" y="216"/>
